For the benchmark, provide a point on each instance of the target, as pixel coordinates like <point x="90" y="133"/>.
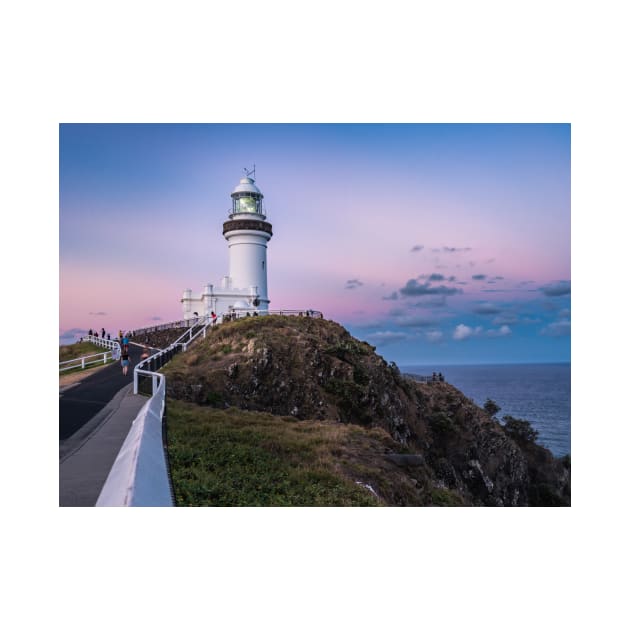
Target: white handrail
<point x="181" y="323"/>
<point x="81" y="362"/>
<point x="139" y="476"/>
<point x="101" y="341"/>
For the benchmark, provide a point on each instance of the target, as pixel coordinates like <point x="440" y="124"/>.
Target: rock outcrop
<point x="314" y="369"/>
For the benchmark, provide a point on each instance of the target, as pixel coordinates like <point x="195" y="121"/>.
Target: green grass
<point x="76" y="350"/>
<point x="442" y="497"/>
<point x="88" y="368"/>
<point x="83" y="349"/>
<point x="239" y="458"/>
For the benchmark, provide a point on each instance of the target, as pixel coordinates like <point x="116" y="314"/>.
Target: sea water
<point x="540" y="393"/>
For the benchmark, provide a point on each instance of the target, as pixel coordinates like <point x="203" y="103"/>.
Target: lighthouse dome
<point x="246" y="185"/>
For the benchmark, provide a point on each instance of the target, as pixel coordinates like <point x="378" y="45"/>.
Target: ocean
<point x="540" y="393"/>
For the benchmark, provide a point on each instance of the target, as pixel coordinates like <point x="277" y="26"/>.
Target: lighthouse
<point x="247" y="233"/>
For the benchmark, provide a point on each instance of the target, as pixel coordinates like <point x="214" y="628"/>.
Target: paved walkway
<point x="87" y="457"/>
<point x="81" y="402"/>
<point x="95" y="416"/>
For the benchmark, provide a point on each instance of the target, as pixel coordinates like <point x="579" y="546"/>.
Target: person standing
<point x="125" y="342"/>
<point x="124" y="360"/>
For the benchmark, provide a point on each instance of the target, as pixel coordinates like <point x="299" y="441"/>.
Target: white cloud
<point x="501" y="332"/>
<point x="462" y="332"/>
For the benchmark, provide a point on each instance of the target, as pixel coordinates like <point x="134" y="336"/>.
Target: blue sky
<point x="436" y="243"/>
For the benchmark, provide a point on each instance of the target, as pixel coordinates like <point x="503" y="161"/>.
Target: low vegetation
<point x="69" y="376"/>
<point x="80" y="349"/>
<point x="239" y="458"/>
<point x="520" y="430"/>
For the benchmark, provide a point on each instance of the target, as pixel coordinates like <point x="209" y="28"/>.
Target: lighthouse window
<point x="263" y="264"/>
<point x="247" y="204"/>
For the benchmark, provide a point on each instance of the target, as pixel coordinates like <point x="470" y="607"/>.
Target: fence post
<point x="154" y="384"/>
<point x="104" y="358"/>
<point x="82" y="363"/>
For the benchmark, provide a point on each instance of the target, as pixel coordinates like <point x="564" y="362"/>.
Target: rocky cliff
<point x="313" y="369"/>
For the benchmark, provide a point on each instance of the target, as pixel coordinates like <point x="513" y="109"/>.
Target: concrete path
<point x="81" y="402"/>
<point x="95" y="416"/>
<point x="86" y="458"/>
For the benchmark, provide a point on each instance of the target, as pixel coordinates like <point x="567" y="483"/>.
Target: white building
<point x="247" y="233"/>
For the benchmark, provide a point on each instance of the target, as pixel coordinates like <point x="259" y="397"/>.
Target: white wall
<point x="248" y="260"/>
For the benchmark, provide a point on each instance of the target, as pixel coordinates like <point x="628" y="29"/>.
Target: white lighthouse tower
<point x="247" y="232"/>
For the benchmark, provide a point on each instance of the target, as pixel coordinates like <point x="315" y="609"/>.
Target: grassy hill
<point x="80" y="349"/>
<point x="301" y="397"/>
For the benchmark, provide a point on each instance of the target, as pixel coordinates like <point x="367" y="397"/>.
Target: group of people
<point x="96" y="334"/>
<point x="122" y="353"/>
<point x="228" y="317"/>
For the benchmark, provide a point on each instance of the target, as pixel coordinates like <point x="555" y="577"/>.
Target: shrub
<point x="360" y="375"/>
<point x="520" y="430"/>
<point x="491" y="408"/>
<point x="441" y="422"/>
<point x="214" y="399"/>
<point x="346" y="349"/>
<point x="444" y="497"/>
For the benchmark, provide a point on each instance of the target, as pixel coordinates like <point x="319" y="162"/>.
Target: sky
<point x="437" y="243"/>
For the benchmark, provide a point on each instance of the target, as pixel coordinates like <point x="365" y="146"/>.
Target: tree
<point x="520" y="430"/>
<point x="491" y="407"/>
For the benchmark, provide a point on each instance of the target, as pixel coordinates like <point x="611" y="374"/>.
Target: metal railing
<point x="186" y="323"/>
<point x="422" y="378"/>
<point x="101" y="357"/>
<point x="148" y="367"/>
<point x="240" y="313"/>
<point x="101" y="341"/>
<point x="182" y="323"/>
